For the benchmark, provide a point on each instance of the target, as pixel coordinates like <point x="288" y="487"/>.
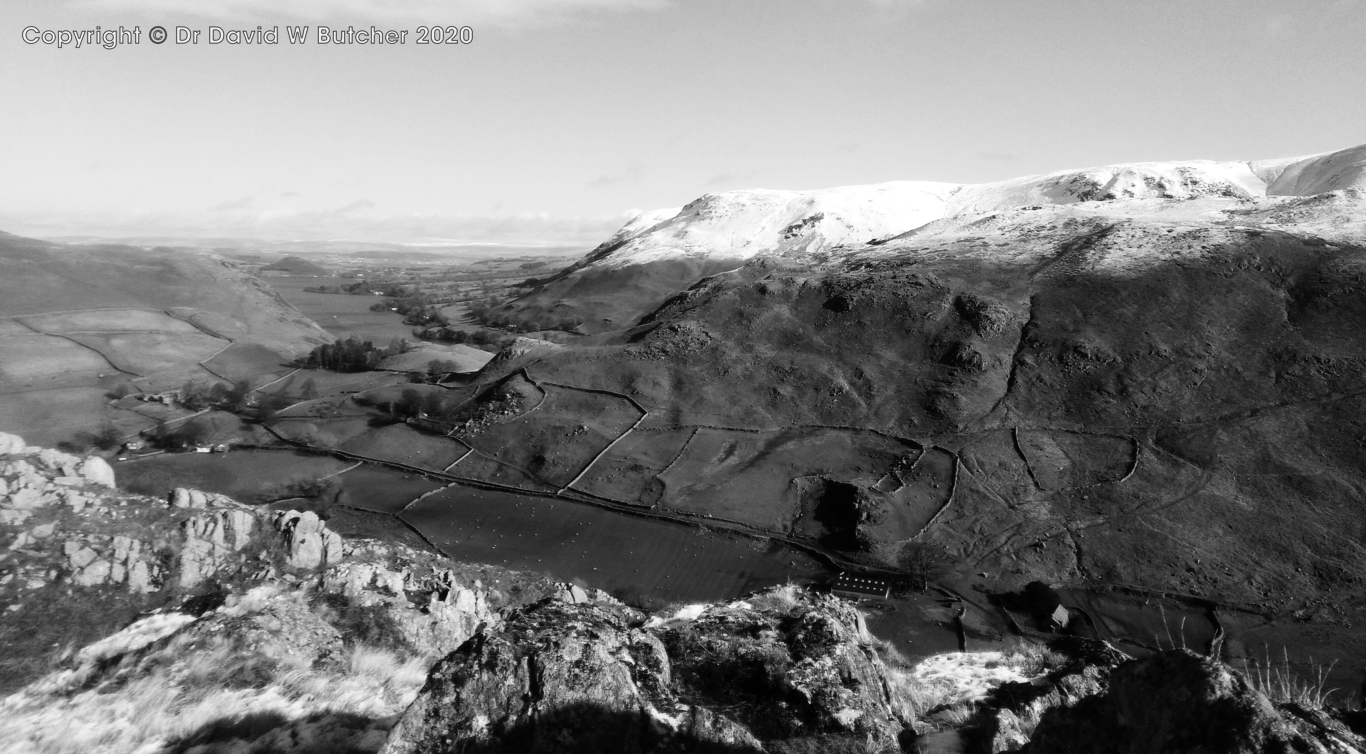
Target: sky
<point x="562" y="118"/>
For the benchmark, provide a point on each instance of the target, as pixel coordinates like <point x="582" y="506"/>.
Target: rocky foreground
<point x="218" y="627"/>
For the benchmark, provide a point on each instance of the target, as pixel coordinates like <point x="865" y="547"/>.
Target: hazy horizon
<point x="565" y="117"/>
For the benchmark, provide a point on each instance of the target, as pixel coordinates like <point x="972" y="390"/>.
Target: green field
<point x="657" y="561"/>
<point x="402" y="444"/>
<point x="561" y="436"/>
<point x="239" y="474"/>
<point x="47" y="361"/>
<point x="116" y="320"/>
<point x="375" y="488"/>
<point x="247" y="361"/>
<point x="169" y="357"/>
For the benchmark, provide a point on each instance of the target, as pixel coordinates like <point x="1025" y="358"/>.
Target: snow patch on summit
<point x="743" y="224"/>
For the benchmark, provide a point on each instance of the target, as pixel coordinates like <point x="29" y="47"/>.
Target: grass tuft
<point x="1282" y="685"/>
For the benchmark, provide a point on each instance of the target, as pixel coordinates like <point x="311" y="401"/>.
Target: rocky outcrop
<point x="561" y="677"/>
<point x="1002" y="724"/>
<point x="434" y="614"/>
<point x="592" y="675"/>
<point x="181" y="497"/>
<point x="1178" y="701"/>
<point x="309" y="544"/>
<point x="211" y="541"/>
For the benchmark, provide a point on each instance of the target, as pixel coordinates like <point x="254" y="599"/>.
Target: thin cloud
<point x="468" y="12"/>
<point x="356" y="206"/>
<point x="243" y="202"/>
<point x="633" y="172"/>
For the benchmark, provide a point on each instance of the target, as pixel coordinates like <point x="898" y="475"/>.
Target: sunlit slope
<point x="665" y="251"/>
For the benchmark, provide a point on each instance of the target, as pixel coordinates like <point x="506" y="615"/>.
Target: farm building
<point x="855" y="586"/>
<point x="1059" y="618"/>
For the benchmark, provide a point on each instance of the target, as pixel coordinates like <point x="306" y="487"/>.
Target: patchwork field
<point x="629" y="472"/>
<point x="568" y="429"/>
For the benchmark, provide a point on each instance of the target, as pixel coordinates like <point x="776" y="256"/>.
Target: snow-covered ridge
<point x="746" y="223"/>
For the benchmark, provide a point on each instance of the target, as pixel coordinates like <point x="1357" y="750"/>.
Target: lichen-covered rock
<point x="446" y="612"/>
<point x="310" y="544"/>
<point x="11" y="444"/>
<point x="211" y="539"/>
<point x="181" y="497"/>
<point x="789" y="664"/>
<point x="1178" y="701"/>
<point x="999" y="724"/>
<point x="561" y="677"/>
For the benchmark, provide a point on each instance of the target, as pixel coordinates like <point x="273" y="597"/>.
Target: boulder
<point x="97" y="471"/>
<point x="1179" y="701"/>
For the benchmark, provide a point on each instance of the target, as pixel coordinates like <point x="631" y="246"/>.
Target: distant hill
<point x="662" y="252"/>
<point x="296" y="266"/>
<point x="78" y="322"/>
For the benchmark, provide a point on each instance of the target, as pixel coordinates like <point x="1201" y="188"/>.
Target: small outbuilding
<point x="855" y="586"/>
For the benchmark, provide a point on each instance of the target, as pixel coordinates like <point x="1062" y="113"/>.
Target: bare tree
<point x="923" y="562"/>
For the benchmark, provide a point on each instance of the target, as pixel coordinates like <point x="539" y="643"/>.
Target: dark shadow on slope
<point x="587" y="728"/>
<point x="319" y="733"/>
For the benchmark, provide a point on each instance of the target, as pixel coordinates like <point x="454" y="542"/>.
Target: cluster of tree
<point x="201" y="395"/>
<point x="107" y="438"/>
<point x="484" y="311"/>
<point x="487" y="339"/>
<point x="430" y="315"/>
<point x="405" y="304"/>
<point x="352" y="355"/>
<point x="185" y="435"/>
<point x="432" y="404"/>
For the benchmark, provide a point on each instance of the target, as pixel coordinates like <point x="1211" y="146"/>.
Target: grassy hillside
<point x="1069" y="398"/>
